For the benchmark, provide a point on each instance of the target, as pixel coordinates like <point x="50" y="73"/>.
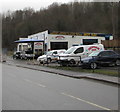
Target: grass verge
<point x="98" y="71"/>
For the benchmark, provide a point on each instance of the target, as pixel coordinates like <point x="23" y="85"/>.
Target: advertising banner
<point x="38" y="45"/>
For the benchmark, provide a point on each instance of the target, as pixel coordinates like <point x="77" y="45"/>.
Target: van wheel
<point x="93" y="65"/>
<point x="72" y="62"/>
<point x="118" y="63"/>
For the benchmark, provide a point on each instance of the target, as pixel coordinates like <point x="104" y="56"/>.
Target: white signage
<point x="38" y="45"/>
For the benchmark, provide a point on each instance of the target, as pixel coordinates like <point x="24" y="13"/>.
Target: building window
<point x="89" y="41"/>
<point x="58" y="45"/>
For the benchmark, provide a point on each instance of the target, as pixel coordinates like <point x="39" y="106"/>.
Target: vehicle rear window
<point x="107" y="53"/>
<point x="111" y="53"/>
<point x="104" y="54"/>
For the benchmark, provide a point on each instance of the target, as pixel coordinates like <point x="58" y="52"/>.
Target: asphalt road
<point x="25" y="89"/>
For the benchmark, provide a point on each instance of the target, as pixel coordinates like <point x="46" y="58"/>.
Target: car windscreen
<point x="94" y="54"/>
<point x="49" y="53"/>
<point x="70" y="50"/>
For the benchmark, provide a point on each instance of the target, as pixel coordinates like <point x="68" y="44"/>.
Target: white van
<point x="74" y="54"/>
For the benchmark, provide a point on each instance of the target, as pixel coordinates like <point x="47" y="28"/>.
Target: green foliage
<point x="93" y="17"/>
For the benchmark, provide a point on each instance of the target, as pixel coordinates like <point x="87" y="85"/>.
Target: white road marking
<point x="38" y="84"/>
<point x="104" y="108"/>
<point x="28" y="80"/>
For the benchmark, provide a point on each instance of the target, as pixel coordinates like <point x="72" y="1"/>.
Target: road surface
<point x="25" y="89"/>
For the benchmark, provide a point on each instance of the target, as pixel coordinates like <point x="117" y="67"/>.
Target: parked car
<point x="74" y="54"/>
<point x="101" y="58"/>
<point x="50" y="56"/>
<point x="17" y="55"/>
<point x="27" y="55"/>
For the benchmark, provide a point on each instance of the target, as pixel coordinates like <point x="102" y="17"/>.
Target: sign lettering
<point x="60" y="37"/>
<point x="38" y="45"/>
<point x="93" y="48"/>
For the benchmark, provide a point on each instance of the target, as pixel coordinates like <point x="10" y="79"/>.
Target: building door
<point x="89" y="41"/>
<point x="58" y="45"/>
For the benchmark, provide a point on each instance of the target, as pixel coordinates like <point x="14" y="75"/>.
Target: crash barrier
<point x="69" y="62"/>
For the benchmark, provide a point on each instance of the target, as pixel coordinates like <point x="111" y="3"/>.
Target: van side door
<point x="79" y="52"/>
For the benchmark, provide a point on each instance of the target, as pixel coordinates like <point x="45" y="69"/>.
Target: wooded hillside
<point x="92" y="17"/>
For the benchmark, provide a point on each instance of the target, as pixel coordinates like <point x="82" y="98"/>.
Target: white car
<point x="50" y="56"/>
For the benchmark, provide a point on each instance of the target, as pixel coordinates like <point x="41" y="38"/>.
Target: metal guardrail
<point x="59" y="59"/>
<point x="70" y="63"/>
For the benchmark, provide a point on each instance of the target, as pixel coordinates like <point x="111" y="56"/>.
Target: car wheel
<point x="118" y="62"/>
<point x="72" y="62"/>
<point x="41" y="62"/>
<point x="93" y="66"/>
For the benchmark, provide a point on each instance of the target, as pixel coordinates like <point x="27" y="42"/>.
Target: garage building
<point x="64" y="40"/>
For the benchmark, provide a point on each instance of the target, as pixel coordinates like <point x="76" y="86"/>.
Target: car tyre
<point x="93" y="65"/>
<point x="41" y="62"/>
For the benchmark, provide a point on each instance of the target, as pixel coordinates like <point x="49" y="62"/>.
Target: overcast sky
<point x="13" y="5"/>
<point x="35" y="4"/>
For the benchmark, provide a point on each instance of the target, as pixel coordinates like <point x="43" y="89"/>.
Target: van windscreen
<point x="70" y="50"/>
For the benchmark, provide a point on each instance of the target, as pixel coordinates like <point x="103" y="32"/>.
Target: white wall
<point x="71" y="39"/>
<point x="40" y="36"/>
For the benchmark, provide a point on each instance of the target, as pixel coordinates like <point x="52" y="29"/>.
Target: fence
<point x="70" y="60"/>
<point x="112" y="44"/>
